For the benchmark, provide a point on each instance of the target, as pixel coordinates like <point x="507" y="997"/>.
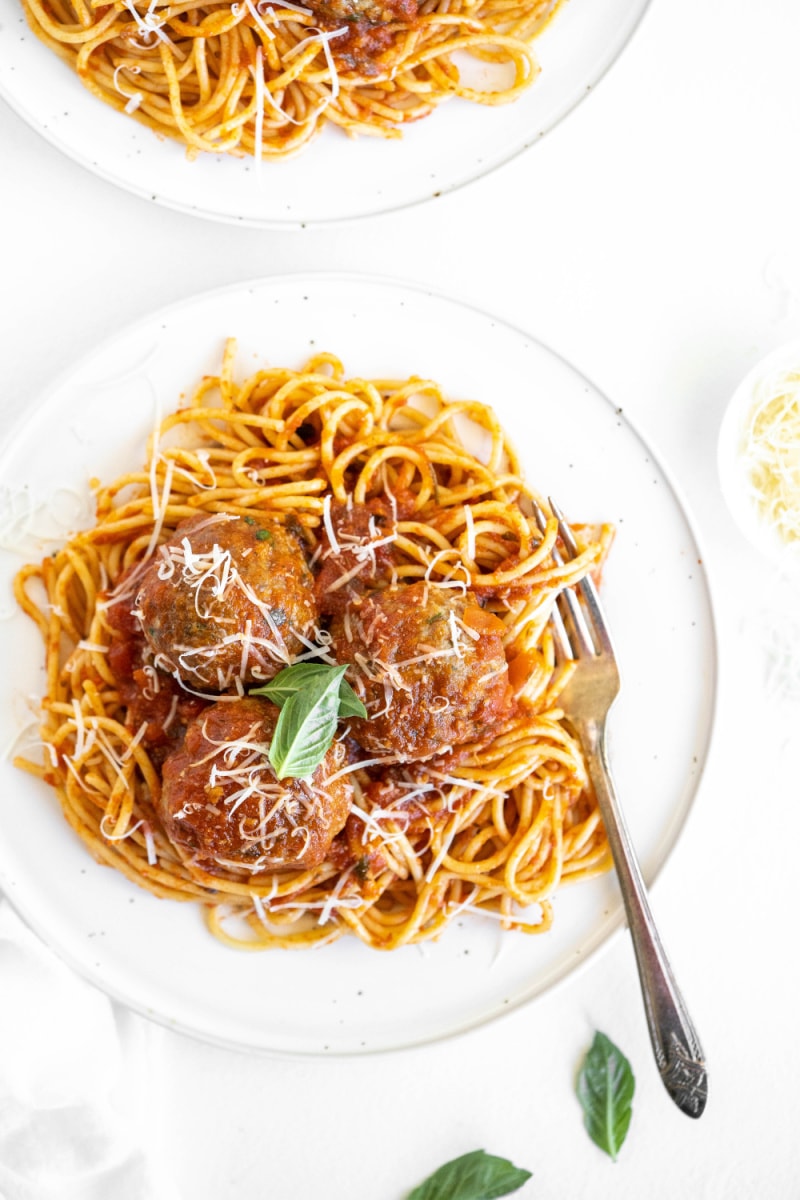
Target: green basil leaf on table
<point x="605" y="1087"/>
<point x="473" y="1176"/>
<point x="306" y="726"/>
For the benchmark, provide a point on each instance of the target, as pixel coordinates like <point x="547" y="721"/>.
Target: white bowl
<point x="732" y="467"/>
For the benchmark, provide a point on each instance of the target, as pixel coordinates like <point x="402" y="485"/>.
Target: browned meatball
<point x="222" y="802"/>
<point x="376" y="12"/>
<point x="359" y="557"/>
<point x="364" y="30"/>
<point x="225" y="599"/>
<point x="429" y="665"/>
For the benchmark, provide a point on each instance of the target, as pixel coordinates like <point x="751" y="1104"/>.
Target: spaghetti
<point x="434" y="585"/>
<point x="261" y="78"/>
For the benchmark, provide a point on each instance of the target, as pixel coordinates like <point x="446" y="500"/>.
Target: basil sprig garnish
<point x="474" y="1176"/>
<point x="605" y="1087"/>
<point x="293" y="679"/>
<point x="312" y="697"/>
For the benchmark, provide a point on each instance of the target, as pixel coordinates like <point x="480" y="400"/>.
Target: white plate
<point x="157" y="956"/>
<point x="733" y="469"/>
<point x="338" y="178"/>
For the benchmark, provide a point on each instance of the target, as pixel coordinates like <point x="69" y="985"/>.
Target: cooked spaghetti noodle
<point x="491" y="824"/>
<point x="261" y="78"/>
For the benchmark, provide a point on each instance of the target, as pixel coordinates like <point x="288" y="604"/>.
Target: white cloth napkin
<point x="64" y="1133"/>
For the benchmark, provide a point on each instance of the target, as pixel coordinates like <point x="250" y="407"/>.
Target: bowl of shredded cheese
<point x="759" y="456"/>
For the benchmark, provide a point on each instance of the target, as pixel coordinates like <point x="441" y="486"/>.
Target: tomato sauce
<point x="152" y="697"/>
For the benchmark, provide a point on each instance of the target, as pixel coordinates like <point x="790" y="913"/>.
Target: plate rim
<point x="297" y="224"/>
<point x="565" y="972"/>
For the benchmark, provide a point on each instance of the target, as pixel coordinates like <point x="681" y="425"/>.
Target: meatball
<point x="360" y="556"/>
<point x="222" y="802"/>
<point x="429" y="665"/>
<point x="227" y="599"/>
<point x="364" y="30"/>
<point x="375" y="12"/>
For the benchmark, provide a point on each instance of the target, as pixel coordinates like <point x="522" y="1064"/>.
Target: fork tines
<point x="578" y="607"/>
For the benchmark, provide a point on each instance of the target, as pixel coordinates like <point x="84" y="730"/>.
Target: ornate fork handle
<point x="677" y="1048"/>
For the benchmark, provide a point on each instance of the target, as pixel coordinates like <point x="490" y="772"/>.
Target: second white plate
<point x="337" y="178"/>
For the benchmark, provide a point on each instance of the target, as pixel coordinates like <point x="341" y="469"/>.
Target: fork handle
<point x="676" y="1046"/>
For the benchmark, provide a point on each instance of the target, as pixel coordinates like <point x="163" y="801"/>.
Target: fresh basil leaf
<point x="605" y="1089"/>
<point x="293" y="679"/>
<point x="306" y="726"/>
<point x="473" y="1176"/>
<point x="349" y="703"/>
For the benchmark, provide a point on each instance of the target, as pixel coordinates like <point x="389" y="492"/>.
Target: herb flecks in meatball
<point x="223" y="805"/>
<point x="429" y="665"/>
<point x="227" y="601"/>
<point x="364" y="30"/>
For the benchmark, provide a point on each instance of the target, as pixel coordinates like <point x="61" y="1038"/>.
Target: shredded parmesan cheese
<point x="118" y="837"/>
<point x="134" y="98"/>
<point x="326" y="39"/>
<point x="770" y="448"/>
<point x="328" y="523"/>
<point x="149" y="26"/>
<point x="150" y="843"/>
<point x="347" y="576"/>
<point x="258" y="75"/>
<point x="170" y="717"/>
<point x="259" y="20"/>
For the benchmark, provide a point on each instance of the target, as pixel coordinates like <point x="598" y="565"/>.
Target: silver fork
<point x="580" y="633"/>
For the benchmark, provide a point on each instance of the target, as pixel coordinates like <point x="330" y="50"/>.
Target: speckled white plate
<point x="337" y="178"/>
<point x="156" y="956"/>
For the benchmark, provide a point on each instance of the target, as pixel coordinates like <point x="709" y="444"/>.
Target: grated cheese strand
<point x="258" y="76"/>
<point x="259" y="20"/>
<point x="134" y="98"/>
<point x="328" y="523"/>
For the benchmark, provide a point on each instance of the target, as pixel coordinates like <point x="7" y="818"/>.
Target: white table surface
<point x="653" y="239"/>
